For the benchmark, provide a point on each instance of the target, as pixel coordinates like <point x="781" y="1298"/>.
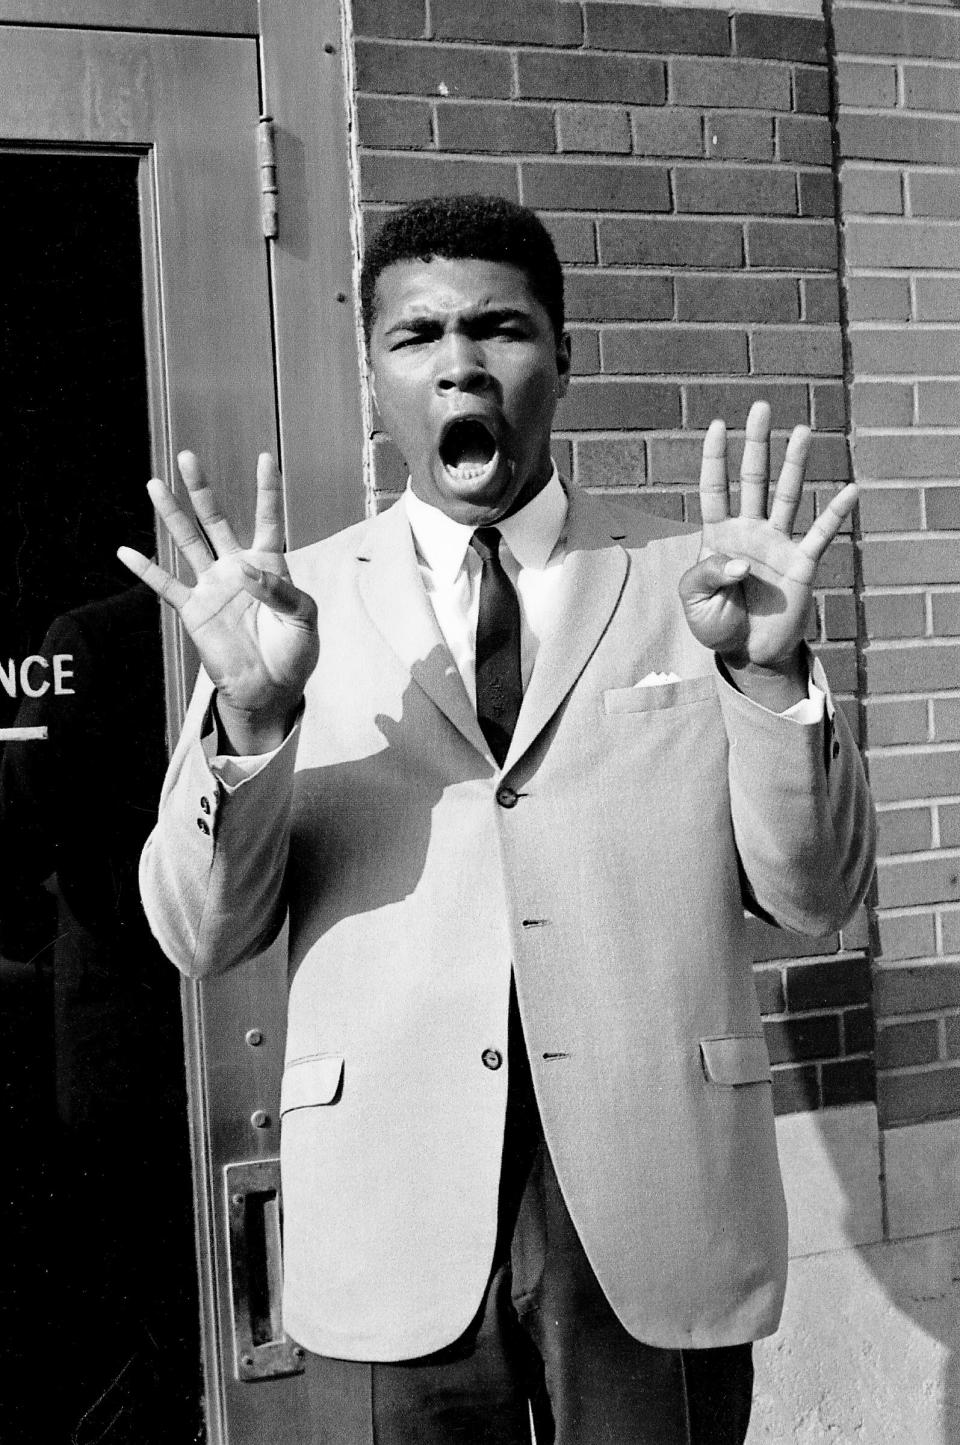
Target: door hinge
<point x="267" y="161"/>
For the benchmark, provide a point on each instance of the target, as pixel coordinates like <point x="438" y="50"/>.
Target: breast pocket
<point x="733" y="1061"/>
<point x="657" y="696"/>
<point x="310" y="1082"/>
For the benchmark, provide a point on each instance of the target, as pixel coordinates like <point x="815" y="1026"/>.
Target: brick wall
<point x="682" y="160"/>
<point x="899" y="124"/>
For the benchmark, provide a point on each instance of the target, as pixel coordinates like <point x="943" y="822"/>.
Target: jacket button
<point x="204" y="805"/>
<point x="203" y="825"/>
<point x="507" y="797"/>
<point x="836" y="748"/>
<point x="492" y="1058"/>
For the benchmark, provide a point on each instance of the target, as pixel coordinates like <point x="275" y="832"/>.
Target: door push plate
<point x="261" y="1350"/>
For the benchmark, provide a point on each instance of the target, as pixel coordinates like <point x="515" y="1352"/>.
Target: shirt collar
<point x="531" y="534"/>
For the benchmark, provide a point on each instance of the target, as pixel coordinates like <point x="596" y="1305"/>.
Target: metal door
<point x="173" y="119"/>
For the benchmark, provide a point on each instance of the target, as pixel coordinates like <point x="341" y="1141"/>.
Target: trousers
<point x="544" y="1349"/>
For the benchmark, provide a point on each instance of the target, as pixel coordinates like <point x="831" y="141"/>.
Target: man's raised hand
<point x="748" y="595"/>
<point x="256" y="632"/>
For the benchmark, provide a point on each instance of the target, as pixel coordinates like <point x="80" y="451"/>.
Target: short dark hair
<point x="466" y="228"/>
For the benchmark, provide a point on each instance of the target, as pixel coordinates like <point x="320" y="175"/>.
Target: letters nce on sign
<point x="34" y="677"/>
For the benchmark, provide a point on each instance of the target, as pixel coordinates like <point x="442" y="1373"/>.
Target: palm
<point x="756" y="612"/>
<point x="254" y="631"/>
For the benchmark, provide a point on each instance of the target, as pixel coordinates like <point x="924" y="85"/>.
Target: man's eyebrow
<point x="424" y="320"/>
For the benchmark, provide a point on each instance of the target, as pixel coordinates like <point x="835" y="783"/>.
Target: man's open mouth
<point x="468" y="449"/>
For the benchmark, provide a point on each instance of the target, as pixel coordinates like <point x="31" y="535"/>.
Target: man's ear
<point x="563" y="364"/>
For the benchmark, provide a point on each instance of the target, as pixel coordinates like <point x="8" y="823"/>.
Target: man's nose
<point x="461" y="365"/>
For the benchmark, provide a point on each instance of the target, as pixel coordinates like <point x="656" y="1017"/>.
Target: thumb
<point x="710" y="575"/>
<point x="279" y="594"/>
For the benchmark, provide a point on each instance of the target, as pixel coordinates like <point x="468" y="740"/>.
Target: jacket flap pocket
<point x="311" y="1081"/>
<point x="651" y="697"/>
<point x="732" y="1061"/>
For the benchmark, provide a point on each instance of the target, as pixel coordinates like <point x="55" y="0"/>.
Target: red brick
<point x="949" y="817"/>
<point x="389" y="468"/>
<point x="585" y="342"/>
<point x="666" y="349"/>
<point x="671" y="243"/>
<point x="894" y="614"/>
<point x="828" y="411"/>
<point x="905" y="830"/>
<point x="931" y="668"/>
<point x="879" y="403"/>
<point x="821" y="298"/>
<point x="662" y="504"/>
<point x="912" y="1098"/>
<point x="780" y="37"/>
<point x="937" y="298"/>
<point x="847" y="1081"/>
<point x="903" y="245"/>
<point x="535" y="22"/>
<point x="602" y="129"/>
<point x="895" y="721"/>
<point x="950" y="931"/>
<point x="618" y="296"/>
<point x="833" y="984"/>
<point x="789" y="245"/>
<point x="426" y="69"/>
<point x="839" y="616"/>
<point x="407" y="178"/>
<point x="938" y="403"/>
<point x="923" y="350"/>
<point x="946" y="720"/>
<point x="805" y="139"/>
<point x="732" y="401"/>
<point x="840" y="665"/>
<point x="930" y="87"/>
<point x="631" y="79"/>
<point x="610" y="462"/>
<point x="595" y="187"/>
<point x="867" y="84"/>
<point x="953" y="1037"/>
<point x="735" y="84"/>
<point x="900" y="138"/>
<point x="395" y="124"/>
<point x="574" y="237"/>
<point x="836" y="566"/>
<point x="942" y="508"/>
<point x="734" y="136"/>
<point x="909" y="935"/>
<point x="653" y="28"/>
<point x="900" y="1045"/>
<point x="816" y="193"/>
<point x="673" y="459"/>
<point x="401" y="19"/>
<point x="753" y="190"/>
<point x="927" y="880"/>
<point x="613" y="405"/>
<point x="736" y="298"/>
<point x="946" y="614"/>
<point x="887" y="31"/>
<point x="871" y="192"/>
<point x="808" y="350"/>
<point x="811" y="90"/>
<point x="933" y="194"/>
<point x="802" y="1039"/>
<point x="900" y="778"/>
<point x="667" y="131"/>
<point x="920" y="454"/>
<point x="889" y="509"/>
<point x="511" y="128"/>
<point x="768" y="983"/>
<point x="879" y="298"/>
<point x="796" y="1090"/>
<point x="858" y="1030"/>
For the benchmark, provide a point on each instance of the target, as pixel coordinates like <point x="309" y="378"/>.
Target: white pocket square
<point x="657" y="679"/>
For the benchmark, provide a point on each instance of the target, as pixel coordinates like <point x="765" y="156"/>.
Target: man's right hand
<point x="256" y="632"/>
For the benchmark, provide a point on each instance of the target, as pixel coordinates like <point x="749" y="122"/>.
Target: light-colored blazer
<point x="607" y="864"/>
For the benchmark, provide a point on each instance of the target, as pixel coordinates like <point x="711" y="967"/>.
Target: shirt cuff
<point x="809" y="711"/>
<point x="232" y="770"/>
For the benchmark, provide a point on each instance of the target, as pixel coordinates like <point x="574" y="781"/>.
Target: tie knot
<point x="486" y="543"/>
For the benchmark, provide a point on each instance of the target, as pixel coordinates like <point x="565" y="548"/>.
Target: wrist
<point x="777" y="685"/>
<point x="250" y="732"/>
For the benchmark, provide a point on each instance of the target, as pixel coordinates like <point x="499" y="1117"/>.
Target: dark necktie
<point x="499" y="683"/>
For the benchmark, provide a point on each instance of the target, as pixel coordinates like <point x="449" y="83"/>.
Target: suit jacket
<point x="607" y="863"/>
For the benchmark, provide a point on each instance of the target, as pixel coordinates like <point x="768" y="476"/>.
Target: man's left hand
<point x="748" y="595"/>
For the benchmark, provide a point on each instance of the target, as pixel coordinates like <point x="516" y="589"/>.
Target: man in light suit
<point x="512" y="761"/>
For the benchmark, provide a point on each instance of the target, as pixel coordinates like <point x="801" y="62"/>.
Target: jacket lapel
<point x="394" y="596"/>
<point x="594" y="573"/>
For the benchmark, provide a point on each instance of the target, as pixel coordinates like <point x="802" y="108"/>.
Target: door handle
<point x="261" y="1350"/>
